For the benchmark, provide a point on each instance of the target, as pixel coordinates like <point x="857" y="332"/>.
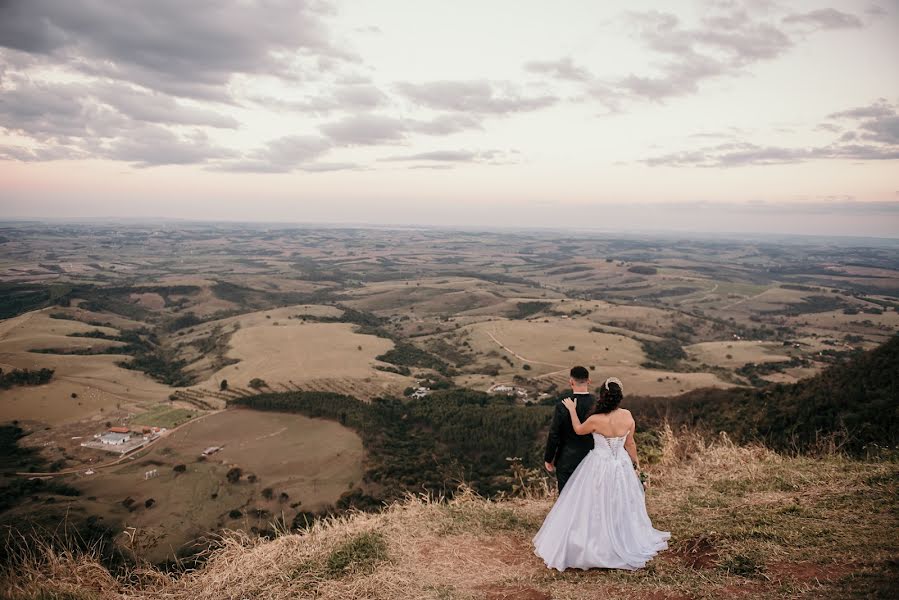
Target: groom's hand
<point x="550" y="467"/>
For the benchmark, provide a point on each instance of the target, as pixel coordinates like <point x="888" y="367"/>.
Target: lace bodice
<point x="611" y="447"/>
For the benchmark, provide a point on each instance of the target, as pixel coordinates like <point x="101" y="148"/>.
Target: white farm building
<point x="115" y="439"/>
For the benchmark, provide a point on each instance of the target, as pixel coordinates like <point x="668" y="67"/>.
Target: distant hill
<point x="854" y="405"/>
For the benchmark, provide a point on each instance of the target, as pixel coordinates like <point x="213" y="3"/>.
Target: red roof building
<point x="119" y="429"/>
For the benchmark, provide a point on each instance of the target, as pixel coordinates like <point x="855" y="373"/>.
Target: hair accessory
<point x="613" y="380"/>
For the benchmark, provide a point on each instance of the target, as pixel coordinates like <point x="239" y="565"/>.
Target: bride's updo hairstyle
<point x="610" y="396"/>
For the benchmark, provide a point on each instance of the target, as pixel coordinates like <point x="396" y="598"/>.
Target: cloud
<point x="371" y="129"/>
<point x="873" y="134"/>
<point x="366" y="129"/>
<point x="21" y="154"/>
<point x="155" y="107"/>
<point x="437" y="155"/>
<point x="346" y="97"/>
<point x="281" y="155"/>
<point x="152" y="146"/>
<point x="165" y="46"/>
<point x="722" y="45"/>
<point x="104" y="120"/>
<point x="730" y="39"/>
<point x="46" y="111"/>
<point x="745" y="154"/>
<point x="879" y="108"/>
<point x="448" y="158"/>
<point x="824" y="18"/>
<point x="446" y="124"/>
<point x="563" y="68"/>
<point x="477" y="97"/>
<point x="57" y="111"/>
<point x="327" y="167"/>
<point x="876" y="122"/>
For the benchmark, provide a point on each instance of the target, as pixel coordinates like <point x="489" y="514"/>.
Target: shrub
<point x="359" y="554"/>
<point x="643" y="270"/>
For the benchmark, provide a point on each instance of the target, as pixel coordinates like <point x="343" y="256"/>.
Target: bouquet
<point x="643" y="476"/>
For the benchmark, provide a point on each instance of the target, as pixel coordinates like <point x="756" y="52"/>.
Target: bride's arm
<point x="579" y="428"/>
<point x="630" y="446"/>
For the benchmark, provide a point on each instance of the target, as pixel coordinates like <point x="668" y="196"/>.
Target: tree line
<point x="24" y="377"/>
<point x="432" y="444"/>
<point x="851" y="405"/>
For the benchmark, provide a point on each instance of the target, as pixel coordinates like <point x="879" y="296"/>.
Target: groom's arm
<point x="554" y="435"/>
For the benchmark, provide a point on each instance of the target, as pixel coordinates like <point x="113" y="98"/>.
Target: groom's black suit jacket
<point x="563" y="446"/>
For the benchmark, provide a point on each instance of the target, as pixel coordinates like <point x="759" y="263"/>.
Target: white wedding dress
<point x="600" y="519"/>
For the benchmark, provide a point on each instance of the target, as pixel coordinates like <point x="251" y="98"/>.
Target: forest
<point x="850" y="406"/>
<point x="24" y="377"/>
<point x="434" y="444"/>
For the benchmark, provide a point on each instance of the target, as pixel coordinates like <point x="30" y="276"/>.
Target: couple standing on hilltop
<point x="599" y="519"/>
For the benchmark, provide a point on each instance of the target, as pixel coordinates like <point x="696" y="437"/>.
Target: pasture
<point x="312" y="461"/>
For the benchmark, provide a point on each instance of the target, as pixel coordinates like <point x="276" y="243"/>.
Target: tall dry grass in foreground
<point x="744" y="521"/>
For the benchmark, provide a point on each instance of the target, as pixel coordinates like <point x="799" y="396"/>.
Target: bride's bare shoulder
<point x="625" y="414"/>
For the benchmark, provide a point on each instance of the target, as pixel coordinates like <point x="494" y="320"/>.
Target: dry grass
<point x="744" y="521"/>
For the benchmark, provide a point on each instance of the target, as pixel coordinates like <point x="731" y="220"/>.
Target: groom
<point x="564" y="448"/>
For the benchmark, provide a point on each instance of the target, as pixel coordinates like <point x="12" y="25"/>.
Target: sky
<point x="713" y="115"/>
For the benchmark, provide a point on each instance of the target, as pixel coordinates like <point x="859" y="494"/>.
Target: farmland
<point x="171" y="325"/>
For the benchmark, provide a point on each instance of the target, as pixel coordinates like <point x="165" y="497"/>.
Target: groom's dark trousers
<point x="564" y="447"/>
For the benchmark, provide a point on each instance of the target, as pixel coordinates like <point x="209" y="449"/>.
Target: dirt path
<point x="704" y="296"/>
<point x="121" y="459"/>
<point x="520" y="357"/>
<point x="742" y="300"/>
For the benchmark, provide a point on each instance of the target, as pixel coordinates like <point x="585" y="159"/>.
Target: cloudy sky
<point x="713" y="115"/>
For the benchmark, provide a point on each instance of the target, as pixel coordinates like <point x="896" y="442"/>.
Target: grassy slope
<point x="744" y="521"/>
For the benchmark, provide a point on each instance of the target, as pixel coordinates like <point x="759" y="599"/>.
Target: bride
<point x="600" y="518"/>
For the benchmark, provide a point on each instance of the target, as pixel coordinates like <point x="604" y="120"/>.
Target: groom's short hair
<point x="580" y="374"/>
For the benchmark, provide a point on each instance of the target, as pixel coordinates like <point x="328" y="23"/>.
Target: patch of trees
<point x="852" y="403"/>
<point x="455" y="354"/>
<point x="249" y="298"/>
<point x="570" y="269"/>
<point x="9" y="379"/>
<point x="755" y="371"/>
<point x="82" y="351"/>
<point x="497" y="278"/>
<point x="451" y="436"/>
<point x="13" y="458"/>
<point x="665" y="354"/>
<point x="810" y="304"/>
<point x="161" y="366"/>
<point x="668" y="292"/>
<point x="524" y="310"/>
<point x="643" y="270"/>
<point x="21" y="534"/>
<point x="404" y="354"/>
<point x="188" y="319"/>
<point x="16" y="298"/>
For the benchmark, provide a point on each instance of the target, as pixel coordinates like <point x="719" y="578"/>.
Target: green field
<point x="163" y="415"/>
